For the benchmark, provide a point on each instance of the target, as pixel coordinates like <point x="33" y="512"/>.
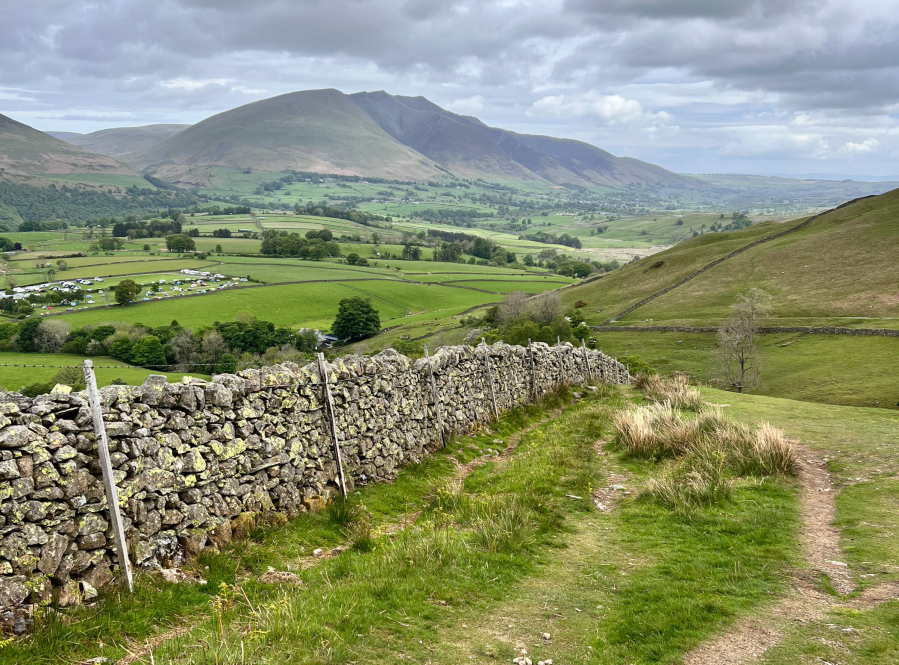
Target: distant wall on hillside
<point x="767" y="330"/>
<point x="196" y="461"/>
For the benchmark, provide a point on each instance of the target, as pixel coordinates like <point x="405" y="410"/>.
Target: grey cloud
<point x="119" y="58"/>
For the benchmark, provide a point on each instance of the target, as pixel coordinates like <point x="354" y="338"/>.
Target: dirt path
<point x="805" y="602"/>
<point x="464" y="470"/>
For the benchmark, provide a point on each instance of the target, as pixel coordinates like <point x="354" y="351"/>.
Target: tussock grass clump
<point x="708" y="451"/>
<point x="700" y="481"/>
<point x="676" y="390"/>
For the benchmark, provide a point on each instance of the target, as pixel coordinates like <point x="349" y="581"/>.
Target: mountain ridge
<point x="369" y="134"/>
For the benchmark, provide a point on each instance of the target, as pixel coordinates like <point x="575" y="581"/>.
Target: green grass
<point x="295" y="305"/>
<point x="859" y="444"/>
<point x="848" y="637"/>
<point x="514" y="545"/>
<point x="833" y="369"/>
<point x="107" y="369"/>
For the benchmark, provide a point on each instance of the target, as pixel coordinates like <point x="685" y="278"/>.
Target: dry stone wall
<point x="197" y="462"/>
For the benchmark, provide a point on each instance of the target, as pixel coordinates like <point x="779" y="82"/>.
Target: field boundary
<point x="765" y="330"/>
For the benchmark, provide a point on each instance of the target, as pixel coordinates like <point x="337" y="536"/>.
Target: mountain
<point x="836" y="268"/>
<point x="126" y="143"/>
<point x="316" y="130"/>
<point x="467" y="146"/>
<point x="380" y="135"/>
<point x="26" y="151"/>
<point x="64" y="136"/>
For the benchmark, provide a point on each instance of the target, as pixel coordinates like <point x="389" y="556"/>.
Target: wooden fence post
<point x="326" y="389"/>
<point x="586" y="359"/>
<point x="112" y="494"/>
<point x="435" y="397"/>
<point x="489" y="377"/>
<point x="533" y="371"/>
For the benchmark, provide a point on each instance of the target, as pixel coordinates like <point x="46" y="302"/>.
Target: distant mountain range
<point x="368" y="133"/>
<point x="127" y="144"/>
<point x="28" y="152"/>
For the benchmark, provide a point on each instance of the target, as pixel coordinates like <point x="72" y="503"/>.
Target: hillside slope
<point x="839" y="269"/>
<point x="316" y="130"/>
<point x="467" y="146"/>
<point x="127" y="144"/>
<point x="26" y="151"/>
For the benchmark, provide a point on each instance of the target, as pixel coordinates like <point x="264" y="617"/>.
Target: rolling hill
<point x="379" y="135"/>
<point x="838" y="268"/>
<point x="125" y="143"/>
<point x="26" y="151"/>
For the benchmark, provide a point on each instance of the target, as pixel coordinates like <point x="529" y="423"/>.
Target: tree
<point x="356" y="319"/>
<point x="214" y="347"/>
<point x="184" y="347"/>
<point x="739" y="357"/>
<point x="180" y="242"/>
<point x="218" y="249"/>
<point x="547" y="307"/>
<point x="126" y="291"/>
<point x="227" y="364"/>
<point x="514" y="307"/>
<point x="120" y="349"/>
<point x="352" y="258"/>
<point x="51" y="335"/>
<point x="148" y="351"/>
<point x="26" y="335"/>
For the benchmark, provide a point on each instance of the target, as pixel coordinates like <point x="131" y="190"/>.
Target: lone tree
<point x="356" y="319"/>
<point x="739" y="356"/>
<point x="125" y="291"/>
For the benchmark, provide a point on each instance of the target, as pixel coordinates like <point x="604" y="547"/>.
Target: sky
<point x="697" y="86"/>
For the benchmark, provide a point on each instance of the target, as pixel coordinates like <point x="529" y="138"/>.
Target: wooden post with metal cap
<point x="112" y="494"/>
<point x="533" y="371"/>
<point x="435" y="397"/>
<point x="489" y="377"/>
<point x="586" y="359"/>
<point x="329" y="404"/>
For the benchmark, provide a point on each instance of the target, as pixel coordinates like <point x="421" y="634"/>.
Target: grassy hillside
<point x="318" y="130"/>
<point x="126" y="143"/>
<point x="24" y="150"/>
<point x="839" y="269"/>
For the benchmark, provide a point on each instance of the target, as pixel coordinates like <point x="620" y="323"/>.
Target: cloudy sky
<point x="700" y="86"/>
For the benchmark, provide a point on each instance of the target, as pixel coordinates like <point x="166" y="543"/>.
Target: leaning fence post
<point x="326" y="389"/>
<point x="435" y="397"/>
<point x="533" y="371"/>
<point x="489" y="377"/>
<point x="112" y="494"/>
<point x="586" y="359"/>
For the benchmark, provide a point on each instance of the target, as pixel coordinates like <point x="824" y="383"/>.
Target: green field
<point x="18" y="369"/>
<point x="299" y="305"/>
<point x="834" y="369"/>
